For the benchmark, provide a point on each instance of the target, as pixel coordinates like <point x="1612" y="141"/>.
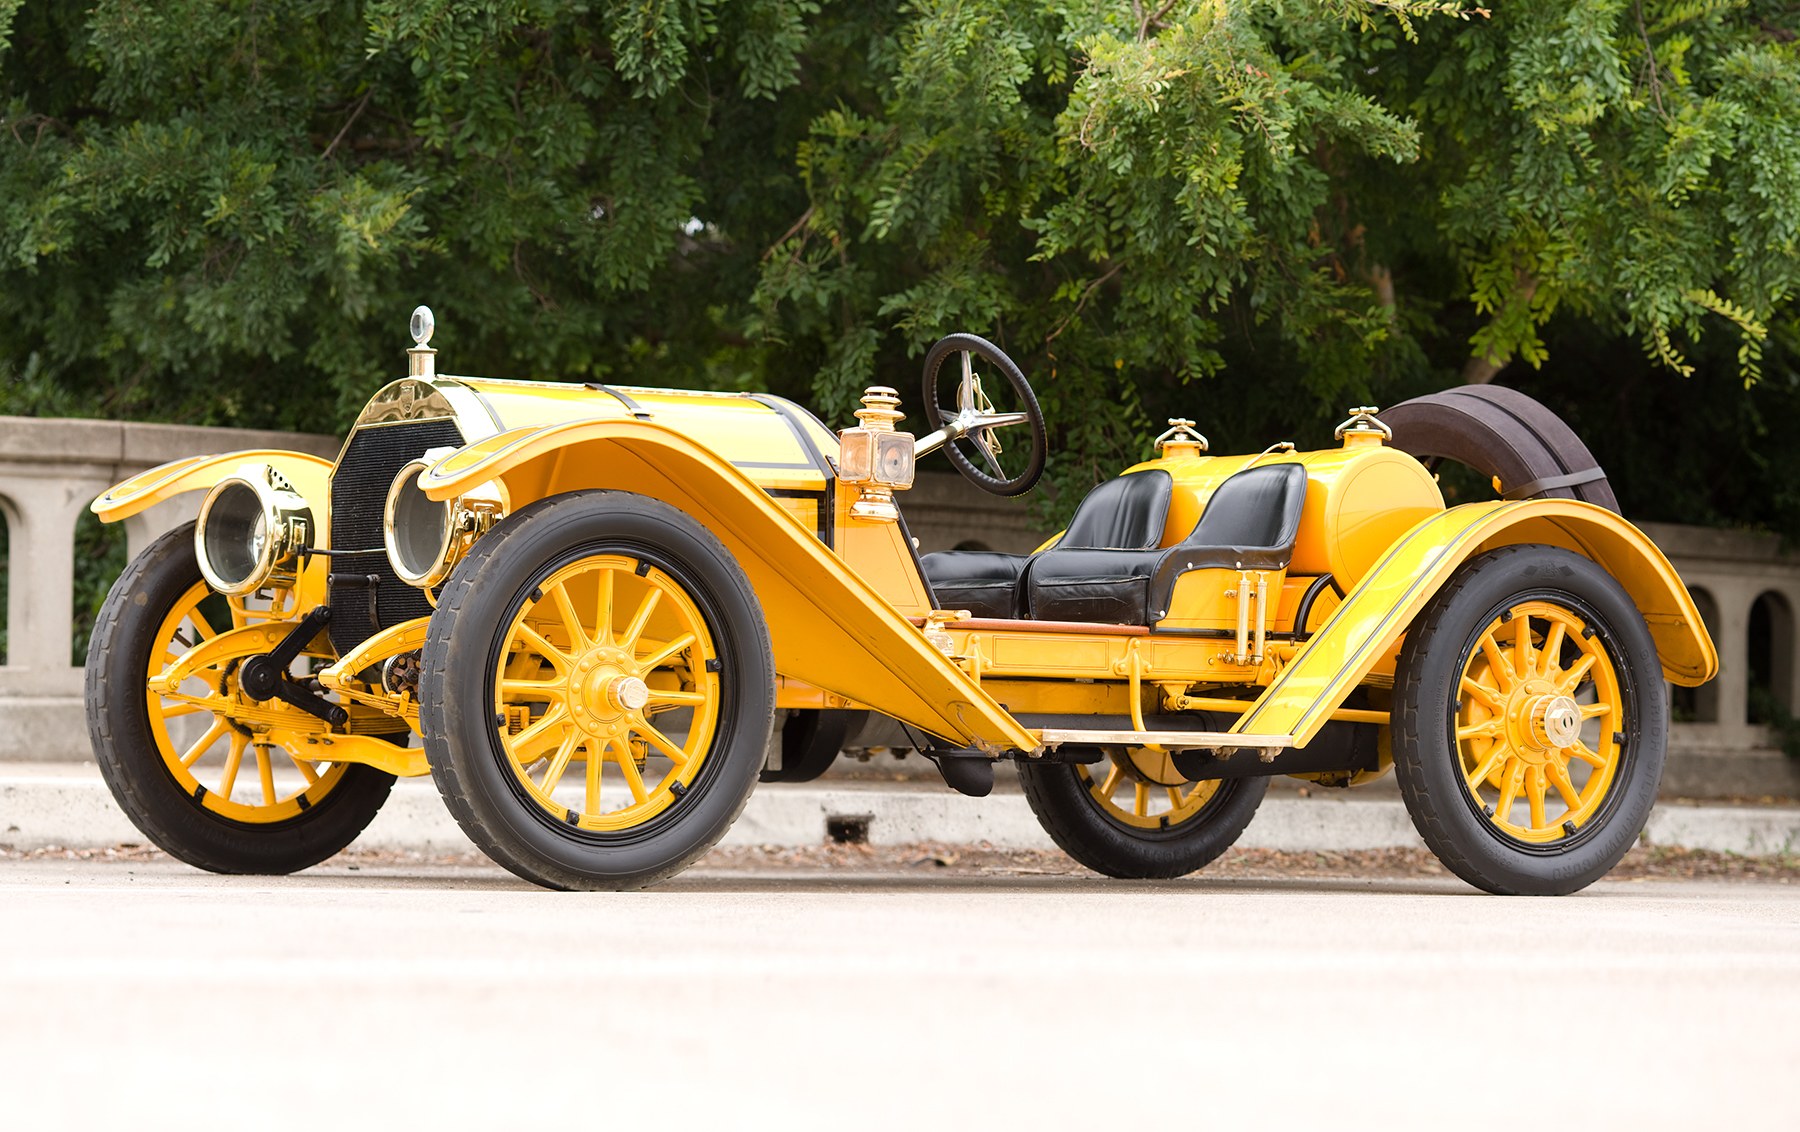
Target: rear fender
<point x="828" y="626"/>
<point x="310" y="475"/>
<point x="1379" y="609"/>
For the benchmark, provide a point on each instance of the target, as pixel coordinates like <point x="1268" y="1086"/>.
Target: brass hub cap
<point x="1538" y="722"/>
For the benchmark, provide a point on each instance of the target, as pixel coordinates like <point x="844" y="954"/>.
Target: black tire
<point x="961" y="452"/>
<point x="1454" y="822"/>
<point x="461" y="658"/>
<point x="1066" y="808"/>
<point x="125" y="746"/>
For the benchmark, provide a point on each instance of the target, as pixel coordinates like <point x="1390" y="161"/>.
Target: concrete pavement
<point x="152" y="996"/>
<point x="66" y="804"/>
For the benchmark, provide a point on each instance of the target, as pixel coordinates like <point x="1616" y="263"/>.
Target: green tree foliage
<point x="1252" y="212"/>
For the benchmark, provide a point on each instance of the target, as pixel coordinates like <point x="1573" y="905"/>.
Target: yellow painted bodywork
<point x="1366" y="627"/>
<point x="309" y="474"/>
<point x="829" y="627"/>
<point x="842" y="596"/>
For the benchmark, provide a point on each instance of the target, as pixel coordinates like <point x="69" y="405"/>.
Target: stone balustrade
<point x="1746" y="586"/>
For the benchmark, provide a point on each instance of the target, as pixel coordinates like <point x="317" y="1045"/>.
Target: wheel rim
<point x="609" y="666"/>
<point x="1143" y="790"/>
<point x="204" y="750"/>
<point x="1539" y="723"/>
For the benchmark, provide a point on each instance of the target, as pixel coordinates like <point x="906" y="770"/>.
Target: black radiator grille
<point x="359" y="490"/>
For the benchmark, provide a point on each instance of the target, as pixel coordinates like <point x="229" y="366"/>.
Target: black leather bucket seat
<point x="1126" y="513"/>
<point x="1249" y="523"/>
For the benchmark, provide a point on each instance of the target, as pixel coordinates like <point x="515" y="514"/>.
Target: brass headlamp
<point x="253" y="527"/>
<point x="425" y="537"/>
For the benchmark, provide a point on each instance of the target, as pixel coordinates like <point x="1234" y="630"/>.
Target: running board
<point x="1266" y="746"/>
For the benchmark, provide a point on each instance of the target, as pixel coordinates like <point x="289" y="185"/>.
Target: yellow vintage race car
<point x="606" y="613"/>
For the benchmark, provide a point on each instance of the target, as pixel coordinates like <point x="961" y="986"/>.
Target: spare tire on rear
<point x="1505" y="435"/>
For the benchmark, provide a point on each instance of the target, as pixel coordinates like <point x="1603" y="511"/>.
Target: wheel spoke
<point x="658" y="740"/>
<point x="1486" y="729"/>
<point x="201" y="625"/>
<point x="1174" y="797"/>
<point x="688" y="699"/>
<point x="565" y="609"/>
<point x="1553" y="643"/>
<point x="596" y="760"/>
<point x="603" y="615"/>
<point x="1534" y="794"/>
<point x="1110" y="786"/>
<point x="1484" y="695"/>
<point x="1496" y="755"/>
<point x="558" y="659"/>
<point x="1595" y="711"/>
<point x="629" y="765"/>
<point x="1581" y="751"/>
<point x="552" y="690"/>
<point x="1565" y="786"/>
<point x="232" y="761"/>
<point x="559" y="762"/>
<point x="265" y="769"/>
<point x="204" y="743"/>
<point x="1572" y="676"/>
<point x="532" y="738"/>
<point x="640" y="619"/>
<point x="1140" y="799"/>
<point x="662" y="655"/>
<point x="1523" y="662"/>
<point x="1503" y="674"/>
<point x="180" y="709"/>
<point x="1510" y="781"/>
<point x="305" y="768"/>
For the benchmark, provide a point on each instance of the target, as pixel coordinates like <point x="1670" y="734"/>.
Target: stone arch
<point x="1769" y="659"/>
<point x="1699" y="705"/>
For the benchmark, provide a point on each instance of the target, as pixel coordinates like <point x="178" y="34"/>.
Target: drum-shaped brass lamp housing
<point x="252" y="530"/>
<point x="425" y="537"/>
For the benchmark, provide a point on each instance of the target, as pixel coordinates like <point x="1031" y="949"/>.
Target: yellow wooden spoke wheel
<point x="1538" y="727"/>
<point x="1142" y="789"/>
<point x="610" y="693"/>
<point x="597" y="691"/>
<point x="1131" y="813"/>
<point x="227" y="767"/>
<point x="1529" y="721"/>
<point x="188" y="761"/>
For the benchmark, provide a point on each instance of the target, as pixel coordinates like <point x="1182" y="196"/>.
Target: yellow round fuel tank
<point x="1359" y="499"/>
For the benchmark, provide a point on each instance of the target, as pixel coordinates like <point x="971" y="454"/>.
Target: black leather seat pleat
<point x="1125" y="512"/>
<point x="1250" y="522"/>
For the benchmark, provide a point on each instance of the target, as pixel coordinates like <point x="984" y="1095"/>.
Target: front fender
<point x="310" y="475"/>
<point x="1374" y="614"/>
<point x="828" y="626"/>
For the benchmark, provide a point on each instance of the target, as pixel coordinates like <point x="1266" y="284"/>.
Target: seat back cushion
<point x="1126" y="513"/>
<point x="980" y="581"/>
<point x="1251" y="520"/>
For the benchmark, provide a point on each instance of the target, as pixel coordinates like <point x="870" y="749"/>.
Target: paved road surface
<point x="150" y="996"/>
